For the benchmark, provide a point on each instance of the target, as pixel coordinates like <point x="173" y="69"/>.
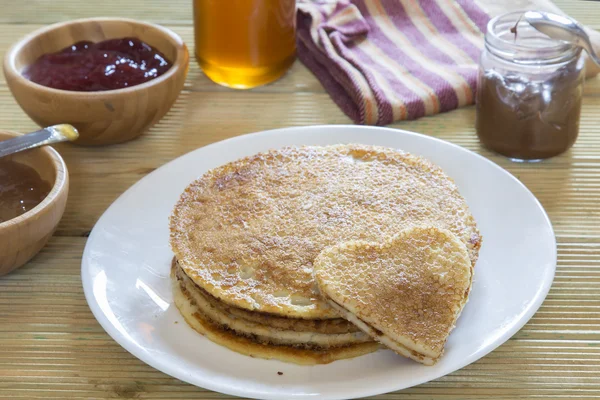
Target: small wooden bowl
<point x="106" y="117"/>
<point x="23" y="237"/>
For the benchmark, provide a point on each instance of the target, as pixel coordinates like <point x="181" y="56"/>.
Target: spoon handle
<point x="49" y="135"/>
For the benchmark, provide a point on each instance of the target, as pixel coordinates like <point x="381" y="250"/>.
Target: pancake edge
<point x="383" y="338"/>
<point x="245" y="346"/>
<point x="258" y="316"/>
<point x="261" y="333"/>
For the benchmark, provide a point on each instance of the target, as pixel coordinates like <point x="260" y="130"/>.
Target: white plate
<point x="125" y="273"/>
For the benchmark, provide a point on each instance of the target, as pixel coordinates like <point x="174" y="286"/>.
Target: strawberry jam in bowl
<point x="108" y="65"/>
<point x="111" y="78"/>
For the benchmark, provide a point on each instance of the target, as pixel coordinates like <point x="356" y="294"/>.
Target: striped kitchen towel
<point x="388" y="60"/>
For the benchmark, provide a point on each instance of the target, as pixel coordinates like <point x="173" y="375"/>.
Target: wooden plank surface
<point x="51" y="346"/>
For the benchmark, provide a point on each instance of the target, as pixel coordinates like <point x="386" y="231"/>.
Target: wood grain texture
<point x="51" y="347"/>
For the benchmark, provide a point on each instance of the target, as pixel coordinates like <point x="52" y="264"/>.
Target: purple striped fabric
<point x="388" y="60"/>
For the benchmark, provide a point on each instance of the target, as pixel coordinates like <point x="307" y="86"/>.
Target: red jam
<point x="108" y="65"/>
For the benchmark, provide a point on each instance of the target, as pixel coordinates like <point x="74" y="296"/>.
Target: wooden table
<point x="52" y="347"/>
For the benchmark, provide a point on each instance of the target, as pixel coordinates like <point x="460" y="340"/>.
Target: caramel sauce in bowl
<point x="24" y="235"/>
<point x="21" y="189"/>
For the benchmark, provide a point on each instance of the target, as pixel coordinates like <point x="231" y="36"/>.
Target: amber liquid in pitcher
<point x="245" y="43"/>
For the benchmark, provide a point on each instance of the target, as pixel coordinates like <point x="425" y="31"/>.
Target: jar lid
<point x="512" y="38"/>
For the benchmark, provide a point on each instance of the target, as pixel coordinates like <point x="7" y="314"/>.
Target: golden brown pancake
<point x="407" y="292"/>
<point x="244" y="345"/>
<point x="319" y="326"/>
<point x="260" y="332"/>
<point x="328" y="326"/>
<point x="248" y="232"/>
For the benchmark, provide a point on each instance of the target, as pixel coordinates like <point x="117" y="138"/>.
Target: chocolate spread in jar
<point x="529" y="119"/>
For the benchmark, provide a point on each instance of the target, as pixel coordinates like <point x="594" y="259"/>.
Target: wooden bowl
<point x="23" y="237"/>
<point x="105" y="117"/>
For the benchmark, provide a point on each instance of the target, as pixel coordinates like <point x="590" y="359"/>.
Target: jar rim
<point x="552" y="51"/>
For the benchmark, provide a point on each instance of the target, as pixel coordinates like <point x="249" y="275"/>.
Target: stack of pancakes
<point x="245" y="236"/>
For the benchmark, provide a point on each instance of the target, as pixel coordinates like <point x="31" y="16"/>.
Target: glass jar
<point x="529" y="91"/>
<point x="245" y="43"/>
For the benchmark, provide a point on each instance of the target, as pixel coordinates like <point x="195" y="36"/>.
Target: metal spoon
<point x="562" y="28"/>
<point x="49" y="135"/>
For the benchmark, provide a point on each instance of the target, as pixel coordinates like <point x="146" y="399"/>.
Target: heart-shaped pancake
<point x="407" y="293"/>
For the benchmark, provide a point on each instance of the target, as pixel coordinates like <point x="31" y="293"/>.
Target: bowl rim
<point x="181" y="57"/>
<point x="60" y="184"/>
